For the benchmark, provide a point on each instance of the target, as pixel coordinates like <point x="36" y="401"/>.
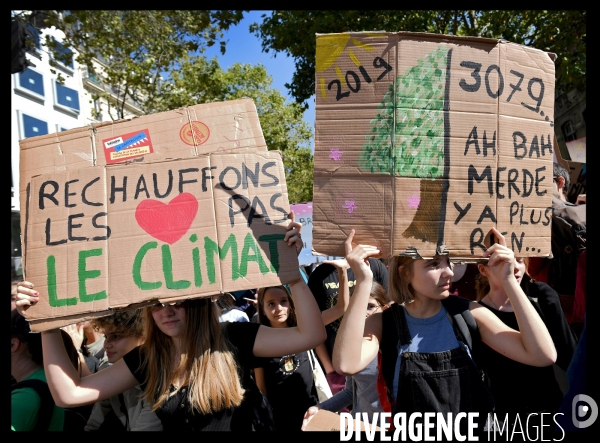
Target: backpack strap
<point x="394" y="332"/>
<point x="47" y="402"/>
<point x="124" y="410"/>
<point x="464" y="321"/>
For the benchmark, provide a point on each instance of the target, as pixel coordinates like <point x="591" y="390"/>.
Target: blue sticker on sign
<point x="138" y="138"/>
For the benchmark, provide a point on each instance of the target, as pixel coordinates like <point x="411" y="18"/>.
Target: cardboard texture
<point x="424" y="142"/>
<point x="330" y="421"/>
<point x="182" y="221"/>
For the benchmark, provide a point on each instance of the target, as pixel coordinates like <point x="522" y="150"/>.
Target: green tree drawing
<point x="413" y="145"/>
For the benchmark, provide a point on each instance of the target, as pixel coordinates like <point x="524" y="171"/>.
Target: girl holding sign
<point x="535" y="390"/>
<point x="195" y="371"/>
<point x="426" y="362"/>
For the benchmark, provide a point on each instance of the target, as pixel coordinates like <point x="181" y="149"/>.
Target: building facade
<point x="42" y="103"/>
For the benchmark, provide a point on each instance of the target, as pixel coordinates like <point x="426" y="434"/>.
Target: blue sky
<point x="245" y="47"/>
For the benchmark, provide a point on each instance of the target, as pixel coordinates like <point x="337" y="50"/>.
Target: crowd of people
<point x="360" y="334"/>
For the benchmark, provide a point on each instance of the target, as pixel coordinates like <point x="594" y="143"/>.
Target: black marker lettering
<point x="232" y="213"/>
<point x="84" y="198"/>
<point x="169" y="187"/>
<point x="275" y="181"/>
<point x="114" y="189"/>
<point x="96" y="225"/>
<point x="486" y="213"/>
<point x="520" y="145"/>
<point x="141" y="186"/>
<point x="71" y="226"/>
<point x="461" y="212"/>
<point x="487" y="173"/>
<point x="206" y="177"/>
<point x="538" y="180"/>
<point x="68" y="194"/>
<point x="472" y="140"/>
<point x="499" y="184"/>
<point x="222" y="178"/>
<point x="246" y="173"/>
<point x="182" y="181"/>
<point x="43" y="194"/>
<point x="527" y="192"/>
<point x="52" y="243"/>
<point x="274" y="197"/>
<point x="513" y="176"/>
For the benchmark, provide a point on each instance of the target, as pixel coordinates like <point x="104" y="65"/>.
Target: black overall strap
<point x="395" y="332"/>
<point x="458" y="308"/>
<point x="402" y="330"/>
<point x="47" y="402"/>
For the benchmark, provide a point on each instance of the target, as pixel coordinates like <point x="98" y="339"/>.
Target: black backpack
<point x="47" y="402"/>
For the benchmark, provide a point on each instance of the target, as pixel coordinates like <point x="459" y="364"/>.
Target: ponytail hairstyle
<point x="262" y="318"/>
<point x="207" y="367"/>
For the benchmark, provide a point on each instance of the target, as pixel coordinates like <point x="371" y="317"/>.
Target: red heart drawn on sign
<point x="167" y="222"/>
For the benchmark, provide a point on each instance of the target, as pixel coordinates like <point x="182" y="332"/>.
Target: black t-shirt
<point x="520" y="388"/>
<point x="290" y="389"/>
<point x="324" y="284"/>
<point x="176" y="414"/>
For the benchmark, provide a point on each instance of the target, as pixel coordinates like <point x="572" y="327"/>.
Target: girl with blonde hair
<point x="195" y="371"/>
<point x="433" y="370"/>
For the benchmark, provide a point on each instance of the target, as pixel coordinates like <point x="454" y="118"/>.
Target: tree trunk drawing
<point x="409" y="137"/>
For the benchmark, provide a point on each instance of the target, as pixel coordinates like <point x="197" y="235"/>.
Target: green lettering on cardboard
<point x="197" y="273"/>
<point x="272" y="239"/>
<point x="167" y="263"/>
<point x="196" y="261"/>
<point x="250" y="244"/>
<point x="84" y="274"/>
<point x="137" y="268"/>
<point x="211" y="248"/>
<point x="53" y="299"/>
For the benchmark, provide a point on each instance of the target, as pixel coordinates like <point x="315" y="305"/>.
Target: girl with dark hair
<point x="288" y="381"/>
<point x="195" y="371"/>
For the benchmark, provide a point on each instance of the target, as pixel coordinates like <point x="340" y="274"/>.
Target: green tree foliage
<point x="560" y="32"/>
<point x="199" y="80"/>
<point x="138" y="47"/>
<point x="154" y="58"/>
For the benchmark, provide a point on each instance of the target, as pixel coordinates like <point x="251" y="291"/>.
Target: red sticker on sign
<point x="194" y="133"/>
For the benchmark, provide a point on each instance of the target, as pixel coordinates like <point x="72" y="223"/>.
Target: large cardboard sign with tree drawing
<point x="124" y="234"/>
<point x="424" y="142"/>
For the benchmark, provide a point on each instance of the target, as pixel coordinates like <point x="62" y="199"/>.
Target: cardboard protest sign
<point x="119" y="235"/>
<point x="304" y="214"/>
<point x="424" y="142"/>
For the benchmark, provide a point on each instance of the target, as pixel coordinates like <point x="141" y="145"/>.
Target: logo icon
<point x="194" y="133"/>
<point x="584" y="411"/>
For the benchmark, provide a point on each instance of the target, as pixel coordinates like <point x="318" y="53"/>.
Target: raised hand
<point x="340" y="264"/>
<point x="26" y="296"/>
<point x="76" y="333"/>
<point x="357" y="257"/>
<point x="501" y="259"/>
<point x="293" y="233"/>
